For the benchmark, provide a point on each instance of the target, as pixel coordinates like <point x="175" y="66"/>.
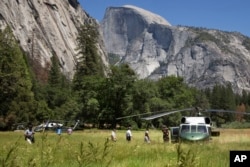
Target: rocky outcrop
<point x="154" y="48"/>
<point x="45" y="28"/>
<point x="146" y="41"/>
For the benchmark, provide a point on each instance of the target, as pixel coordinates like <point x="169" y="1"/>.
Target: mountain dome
<point x="149" y="16"/>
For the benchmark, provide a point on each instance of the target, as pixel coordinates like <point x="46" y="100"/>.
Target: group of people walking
<point x="129" y="135"/>
<point x="29" y="134"/>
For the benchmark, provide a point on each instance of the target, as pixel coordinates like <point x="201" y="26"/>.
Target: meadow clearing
<point x="90" y="148"/>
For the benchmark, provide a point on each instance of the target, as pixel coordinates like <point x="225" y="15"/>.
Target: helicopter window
<point x="202" y="129"/>
<point x="175" y="131"/>
<point x="193" y="128"/>
<point x="185" y="128"/>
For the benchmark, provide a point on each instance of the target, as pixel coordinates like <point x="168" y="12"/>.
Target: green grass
<point x="91" y="148"/>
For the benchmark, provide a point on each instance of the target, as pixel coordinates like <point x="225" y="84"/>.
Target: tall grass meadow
<point x="93" y="148"/>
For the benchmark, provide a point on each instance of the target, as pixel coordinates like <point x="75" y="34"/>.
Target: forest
<point x="97" y="95"/>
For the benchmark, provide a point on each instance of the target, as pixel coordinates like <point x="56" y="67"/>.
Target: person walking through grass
<point x="128" y="134"/>
<point x="113" y="135"/>
<point x="29" y="134"/>
<point x="146" y="136"/>
<point x="165" y="133"/>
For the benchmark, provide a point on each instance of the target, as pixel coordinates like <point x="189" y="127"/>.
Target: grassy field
<point x="91" y="148"/>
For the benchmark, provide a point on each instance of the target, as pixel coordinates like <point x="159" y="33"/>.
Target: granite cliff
<point x="154" y="48"/>
<point x="146" y="41"/>
<point x="45" y="28"/>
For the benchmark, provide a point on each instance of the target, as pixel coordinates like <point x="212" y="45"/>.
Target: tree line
<point x="97" y="94"/>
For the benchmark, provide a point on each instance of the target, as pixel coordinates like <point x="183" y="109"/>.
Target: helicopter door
<point x="174" y="134"/>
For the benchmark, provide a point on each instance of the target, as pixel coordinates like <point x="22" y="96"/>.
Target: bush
<point x="236" y="125"/>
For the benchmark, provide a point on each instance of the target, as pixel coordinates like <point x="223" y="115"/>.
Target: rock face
<point x="45" y="28"/>
<point x="146" y="41"/>
<point x="154" y="48"/>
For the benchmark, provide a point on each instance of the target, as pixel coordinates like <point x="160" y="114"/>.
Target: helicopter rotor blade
<point x="157" y="114"/>
<point x="194" y="109"/>
<point x="165" y="113"/>
<point x="133" y="115"/>
<point x="226" y="111"/>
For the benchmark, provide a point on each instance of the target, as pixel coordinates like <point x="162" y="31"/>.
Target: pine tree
<point x="117" y="94"/>
<point x="16" y="99"/>
<point x="89" y="70"/>
<point x="59" y="98"/>
<point x="55" y="75"/>
<point x="90" y="63"/>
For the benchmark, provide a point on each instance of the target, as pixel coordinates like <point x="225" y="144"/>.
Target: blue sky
<point x="227" y="15"/>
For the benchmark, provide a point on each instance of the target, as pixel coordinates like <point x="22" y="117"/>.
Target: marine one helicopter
<point x="194" y="128"/>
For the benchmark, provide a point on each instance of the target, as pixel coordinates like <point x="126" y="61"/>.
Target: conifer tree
<point x="55" y="75"/>
<point x="117" y="94"/>
<point x="90" y="62"/>
<point x="16" y="98"/>
<point x="89" y="70"/>
<point x="59" y="98"/>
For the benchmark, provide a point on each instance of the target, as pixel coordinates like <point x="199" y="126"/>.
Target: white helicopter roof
<point x="195" y="120"/>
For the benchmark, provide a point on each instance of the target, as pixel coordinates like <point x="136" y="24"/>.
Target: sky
<point x="226" y="15"/>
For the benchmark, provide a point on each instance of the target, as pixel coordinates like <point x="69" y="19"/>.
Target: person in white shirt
<point x="113" y="135"/>
<point x="128" y="134"/>
<point x="29" y="134"/>
<point x="146" y="136"/>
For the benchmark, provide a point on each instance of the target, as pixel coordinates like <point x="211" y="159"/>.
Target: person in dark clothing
<point x="165" y="133"/>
